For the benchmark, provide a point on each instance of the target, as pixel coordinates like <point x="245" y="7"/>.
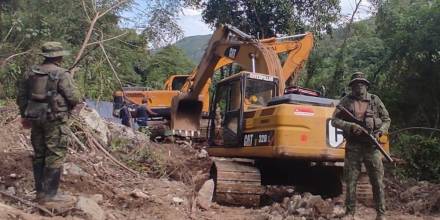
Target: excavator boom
<point x="230" y="45"/>
<point x="226" y="41"/>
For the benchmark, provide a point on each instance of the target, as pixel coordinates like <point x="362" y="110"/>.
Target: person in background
<point x="142" y="114"/>
<point x="124" y="114"/>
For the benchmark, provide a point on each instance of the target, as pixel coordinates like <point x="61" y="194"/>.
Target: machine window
<point x="259" y="93"/>
<point x="178" y="82"/>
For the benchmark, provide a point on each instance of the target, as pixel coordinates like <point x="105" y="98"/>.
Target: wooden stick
<point x="112" y="158"/>
<point x="27" y="203"/>
<point x="76" y="139"/>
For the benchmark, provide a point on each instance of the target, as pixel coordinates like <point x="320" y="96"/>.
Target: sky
<point x="191" y="20"/>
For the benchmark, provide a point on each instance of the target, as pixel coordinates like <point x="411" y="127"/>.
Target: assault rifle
<point x="346" y="115"/>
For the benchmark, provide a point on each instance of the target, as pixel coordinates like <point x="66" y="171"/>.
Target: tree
<point x="267" y="18"/>
<point x="410" y="73"/>
<point x="168" y="61"/>
<point x="120" y="50"/>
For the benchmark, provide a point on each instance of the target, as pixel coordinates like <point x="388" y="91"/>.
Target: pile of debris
<point x="305" y="206"/>
<point x="414" y="197"/>
<point x="113" y="171"/>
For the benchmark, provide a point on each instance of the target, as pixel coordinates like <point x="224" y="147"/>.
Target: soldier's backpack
<point x="43" y="99"/>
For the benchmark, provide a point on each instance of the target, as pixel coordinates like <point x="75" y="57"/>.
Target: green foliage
<point x="411" y="72"/>
<point x="399" y="52"/>
<point x="166" y="62"/>
<point x="26" y="24"/>
<point x="266" y="18"/>
<point x="421" y="153"/>
<point x="194" y="46"/>
<point x="364" y="52"/>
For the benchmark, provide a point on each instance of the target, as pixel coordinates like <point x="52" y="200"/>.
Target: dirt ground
<point x="165" y="186"/>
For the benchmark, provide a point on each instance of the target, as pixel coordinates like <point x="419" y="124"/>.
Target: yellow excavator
<point x="258" y="134"/>
<point x="295" y="52"/>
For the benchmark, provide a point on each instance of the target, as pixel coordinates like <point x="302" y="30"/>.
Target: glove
<point x="356" y="129"/>
<point x="26" y="123"/>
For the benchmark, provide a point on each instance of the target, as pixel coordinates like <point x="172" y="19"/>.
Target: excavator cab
<point x="233" y="96"/>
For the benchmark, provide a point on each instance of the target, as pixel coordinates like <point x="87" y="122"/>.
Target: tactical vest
<point x="44" y="101"/>
<point x="368" y="113"/>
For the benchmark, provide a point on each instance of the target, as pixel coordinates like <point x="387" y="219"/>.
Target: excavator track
<point x="236" y="182"/>
<point x="364" y="192"/>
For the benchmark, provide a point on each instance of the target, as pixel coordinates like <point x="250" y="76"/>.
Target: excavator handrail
<point x="291" y="37"/>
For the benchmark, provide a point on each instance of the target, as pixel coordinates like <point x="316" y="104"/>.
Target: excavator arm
<point x="297" y="49"/>
<point x="226" y="41"/>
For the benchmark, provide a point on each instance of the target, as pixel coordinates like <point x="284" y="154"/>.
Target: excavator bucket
<point x="186" y="114"/>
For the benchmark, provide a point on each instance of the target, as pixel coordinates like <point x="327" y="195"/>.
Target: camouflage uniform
<point x="369" y="109"/>
<point x="59" y="95"/>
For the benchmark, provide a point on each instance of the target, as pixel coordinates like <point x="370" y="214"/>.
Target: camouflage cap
<point x="53" y="49"/>
<point x="358" y="77"/>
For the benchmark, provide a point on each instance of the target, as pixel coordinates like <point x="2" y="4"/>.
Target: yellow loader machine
<point x="257" y="134"/>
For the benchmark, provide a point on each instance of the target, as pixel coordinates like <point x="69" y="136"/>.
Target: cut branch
<point x="111" y="8"/>
<point x="97" y="16"/>
<point x="111" y="66"/>
<point x="108" y="39"/>
<point x="27" y="203"/>
<point x="5" y="61"/>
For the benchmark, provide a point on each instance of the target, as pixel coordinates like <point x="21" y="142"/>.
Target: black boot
<point x="52" y="182"/>
<point x="38" y="169"/>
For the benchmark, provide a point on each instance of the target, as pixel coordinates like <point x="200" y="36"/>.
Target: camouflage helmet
<point x="358" y="77"/>
<point x="53" y="49"/>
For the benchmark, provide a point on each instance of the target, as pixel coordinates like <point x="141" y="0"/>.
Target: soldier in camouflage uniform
<point x="368" y="108"/>
<point x="46" y="96"/>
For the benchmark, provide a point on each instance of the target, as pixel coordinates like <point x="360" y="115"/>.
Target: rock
<point x="265" y="209"/>
<point x="121" y="131"/>
<point x="137" y="193"/>
<point x="178" y="200"/>
<point x="415" y="207"/>
<point x="98" y="198"/>
<point x="90" y="208"/>
<point x="93" y="120"/>
<point x="9" y="212"/>
<point x="294" y="204"/>
<point x="312" y="200"/>
<point x="13" y="175"/>
<point x="285" y="202"/>
<point x="110" y="216"/>
<point x="202" y="154"/>
<point x="11" y="190"/>
<point x="304" y="211"/>
<point x="276" y="217"/>
<point x="320" y="206"/>
<point x="406" y="196"/>
<point x="276" y="209"/>
<point x="204" y="197"/>
<point x="338" y="211"/>
<point x="262" y="217"/>
<point x="73" y="169"/>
